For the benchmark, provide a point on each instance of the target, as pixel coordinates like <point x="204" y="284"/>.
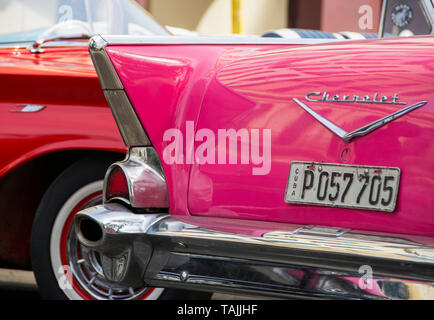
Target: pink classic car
<point x="269" y="167"/>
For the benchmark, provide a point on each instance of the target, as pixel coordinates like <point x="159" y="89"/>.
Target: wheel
<point x="65" y="269"/>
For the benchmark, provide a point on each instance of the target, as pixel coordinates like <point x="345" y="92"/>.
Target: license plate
<point x="346" y="186"/>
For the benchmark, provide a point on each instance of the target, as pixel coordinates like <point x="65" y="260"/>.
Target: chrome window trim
<point x="129" y="125"/>
<point x="207" y="40"/>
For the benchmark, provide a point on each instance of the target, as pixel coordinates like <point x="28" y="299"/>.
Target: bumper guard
<point x="279" y="261"/>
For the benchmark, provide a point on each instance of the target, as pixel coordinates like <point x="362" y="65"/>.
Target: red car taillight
<point x="116" y="186"/>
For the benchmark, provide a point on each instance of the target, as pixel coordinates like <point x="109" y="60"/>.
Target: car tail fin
<point x="131" y="130"/>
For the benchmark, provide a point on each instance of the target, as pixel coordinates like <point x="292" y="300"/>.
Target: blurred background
<point x="341" y="19"/>
<point x="259" y="16"/>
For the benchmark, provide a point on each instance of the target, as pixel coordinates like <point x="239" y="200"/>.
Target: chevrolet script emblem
<point x="347" y="136"/>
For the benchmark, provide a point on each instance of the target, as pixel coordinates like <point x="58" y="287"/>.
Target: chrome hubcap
<point x="85" y="265"/>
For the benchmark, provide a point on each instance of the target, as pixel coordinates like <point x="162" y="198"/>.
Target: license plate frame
<point x="379" y="194"/>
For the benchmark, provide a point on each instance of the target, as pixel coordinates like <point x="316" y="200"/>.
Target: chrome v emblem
<point x="347" y="136"/>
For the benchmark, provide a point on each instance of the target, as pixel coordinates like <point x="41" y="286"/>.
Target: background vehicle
<point x="57" y="135"/>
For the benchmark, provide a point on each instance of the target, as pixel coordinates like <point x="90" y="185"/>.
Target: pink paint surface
<point x="243" y="87"/>
<point x="166" y="85"/>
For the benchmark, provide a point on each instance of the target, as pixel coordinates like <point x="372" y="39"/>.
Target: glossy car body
<point x="237" y="94"/>
<point x="222" y="217"/>
<point x="57" y="134"/>
<point x="74" y="122"/>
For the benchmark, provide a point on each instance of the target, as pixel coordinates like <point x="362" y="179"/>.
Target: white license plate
<point x="346" y="186"/>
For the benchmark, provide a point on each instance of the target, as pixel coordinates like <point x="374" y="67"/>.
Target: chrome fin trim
<point x="126" y="119"/>
<point x="130" y="127"/>
<point x="107" y="74"/>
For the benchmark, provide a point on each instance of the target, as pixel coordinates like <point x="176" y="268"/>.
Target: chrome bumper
<point x="268" y="259"/>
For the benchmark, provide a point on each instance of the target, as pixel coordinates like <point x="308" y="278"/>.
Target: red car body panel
<point x="76" y="117"/>
<point x="222" y="87"/>
<point x="76" y="114"/>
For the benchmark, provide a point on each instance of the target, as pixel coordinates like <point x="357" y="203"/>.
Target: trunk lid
<point x="256" y="93"/>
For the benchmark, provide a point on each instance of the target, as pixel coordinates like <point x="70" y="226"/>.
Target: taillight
<point x="116" y="185"/>
<point x="138" y="181"/>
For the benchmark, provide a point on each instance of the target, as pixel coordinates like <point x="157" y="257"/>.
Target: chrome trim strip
<point x="126" y="118"/>
<point x="379" y="123"/>
<point x="28" y="108"/>
<point x="145" y="177"/>
<point x="285" y="261"/>
<point x="210" y="273"/>
<point x="207" y="40"/>
<point x="107" y="74"/>
<point x="347" y="244"/>
<point x="26" y="44"/>
<point x="160" y="40"/>
<point x="341" y="133"/>
<point x="328" y="124"/>
<point x="35" y="47"/>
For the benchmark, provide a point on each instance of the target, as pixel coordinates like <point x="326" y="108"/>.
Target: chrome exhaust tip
<point x="117" y="235"/>
<point x="89" y="232"/>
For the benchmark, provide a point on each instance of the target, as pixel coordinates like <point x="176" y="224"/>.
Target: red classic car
<point x="271" y="167"/>
<point x="58" y="135"/>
